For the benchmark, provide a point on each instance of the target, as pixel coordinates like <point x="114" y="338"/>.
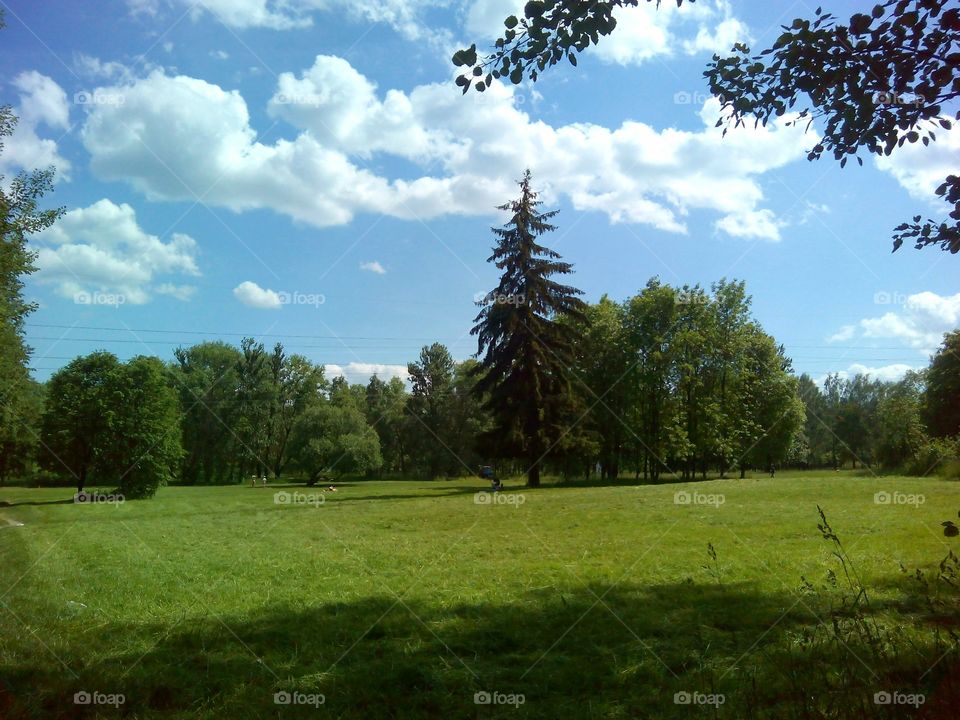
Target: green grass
<point x="403" y="599"/>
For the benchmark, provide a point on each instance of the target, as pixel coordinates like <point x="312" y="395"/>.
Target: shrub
<point x="937" y="456"/>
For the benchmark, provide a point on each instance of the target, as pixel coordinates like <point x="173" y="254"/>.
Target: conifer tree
<point x="525" y="348"/>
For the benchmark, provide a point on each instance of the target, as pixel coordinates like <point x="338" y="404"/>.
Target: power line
<point x="364" y="337"/>
<point x="229" y="334"/>
<point x="332" y="346"/>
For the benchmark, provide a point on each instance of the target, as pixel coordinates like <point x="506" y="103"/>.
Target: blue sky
<point x="307" y="172"/>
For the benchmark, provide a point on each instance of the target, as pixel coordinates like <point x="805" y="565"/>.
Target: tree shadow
<point x="627" y="651"/>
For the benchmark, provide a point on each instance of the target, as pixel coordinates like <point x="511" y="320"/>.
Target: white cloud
<point x="811" y="210"/>
<point x="251" y="294"/>
<point x="42" y="102"/>
<point x="484" y="18"/>
<point x="103" y="249"/>
<point x="720" y="39"/>
<point x="360" y="372"/>
<point x="921" y="169"/>
<point x="179" y="138"/>
<point x="374" y="267"/>
<point x="843" y="334"/>
<point x="751" y="223"/>
<point x="919" y="320"/>
<point x="647" y="31"/>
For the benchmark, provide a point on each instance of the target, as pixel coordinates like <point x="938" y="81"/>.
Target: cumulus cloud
<point x="252" y="295"/>
<point x="374" y="267"/>
<point x="42" y="103"/>
<point x="360" y="372"/>
<point x="918" y="321"/>
<point x="181" y="138"/>
<point x="921" y="169"/>
<point x="102" y="248"/>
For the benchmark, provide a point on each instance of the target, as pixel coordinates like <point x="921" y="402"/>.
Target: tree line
<point x="669" y="384"/>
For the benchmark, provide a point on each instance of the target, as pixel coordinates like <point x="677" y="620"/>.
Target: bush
<point x="950" y="469"/>
<point x="937" y="456"/>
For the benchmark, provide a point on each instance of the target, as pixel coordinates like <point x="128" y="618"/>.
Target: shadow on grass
<point x="597" y="653"/>
<point x="66" y="501"/>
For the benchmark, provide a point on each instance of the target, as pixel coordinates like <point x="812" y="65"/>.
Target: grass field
<point x="406" y="599"/>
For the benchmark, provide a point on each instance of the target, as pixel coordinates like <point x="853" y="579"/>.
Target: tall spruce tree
<point x="525" y="350"/>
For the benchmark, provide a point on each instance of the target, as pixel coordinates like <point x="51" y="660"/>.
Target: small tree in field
<point x="333" y="439"/>
<point x="525" y="350"/>
<point x="77" y="417"/>
<point x="144" y="450"/>
<point x="119" y="423"/>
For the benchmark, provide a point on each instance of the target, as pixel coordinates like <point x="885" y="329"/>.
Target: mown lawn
<point x="405" y="599"/>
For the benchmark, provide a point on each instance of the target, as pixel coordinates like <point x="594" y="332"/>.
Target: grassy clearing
<point x="404" y="599"/>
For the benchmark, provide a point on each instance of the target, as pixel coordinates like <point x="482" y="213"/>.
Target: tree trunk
<point x="533" y="475"/>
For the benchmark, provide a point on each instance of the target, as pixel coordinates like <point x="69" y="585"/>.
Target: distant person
<point x="486" y="472"/>
<point x="264" y="480"/>
<point x="773" y="470"/>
